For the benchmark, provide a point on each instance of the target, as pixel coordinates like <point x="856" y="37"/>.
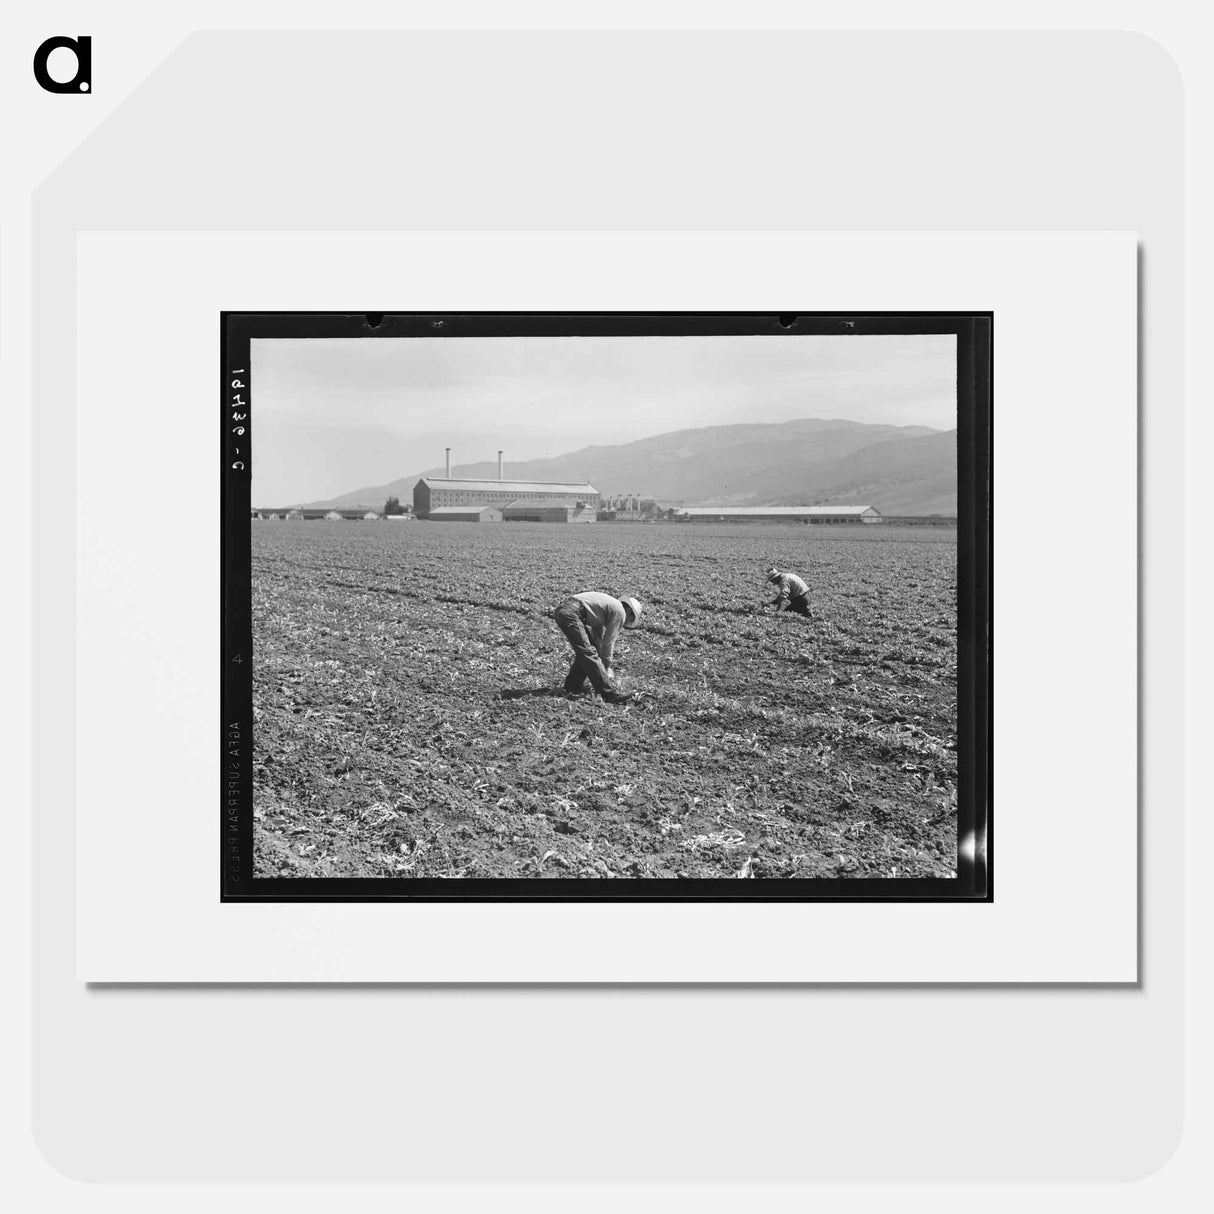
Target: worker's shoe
<point x="617" y="697"/>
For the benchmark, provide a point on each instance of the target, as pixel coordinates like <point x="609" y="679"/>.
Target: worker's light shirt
<point x="604" y="617"/>
<point x="791" y="587"/>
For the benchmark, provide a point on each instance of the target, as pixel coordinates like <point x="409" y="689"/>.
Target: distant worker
<point x="591" y="621"/>
<point x="794" y="593"/>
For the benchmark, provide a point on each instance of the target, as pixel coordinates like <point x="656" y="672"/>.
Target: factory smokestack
<point x="501" y="471"/>
<point x="448" y="463"/>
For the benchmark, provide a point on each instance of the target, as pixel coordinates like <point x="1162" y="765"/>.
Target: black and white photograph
<point x="607" y="606"/>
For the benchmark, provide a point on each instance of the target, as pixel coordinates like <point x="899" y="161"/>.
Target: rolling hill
<point x="812" y="461"/>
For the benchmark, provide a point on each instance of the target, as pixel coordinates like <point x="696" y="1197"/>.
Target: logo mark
<point x="82" y="81"/>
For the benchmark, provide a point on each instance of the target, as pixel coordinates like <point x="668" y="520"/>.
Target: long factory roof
<point x="520" y="487"/>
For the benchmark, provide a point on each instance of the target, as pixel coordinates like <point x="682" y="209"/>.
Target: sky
<point x="331" y="415"/>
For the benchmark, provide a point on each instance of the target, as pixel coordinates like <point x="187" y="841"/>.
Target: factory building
<point x="435" y="493"/>
<point x="780" y="514"/>
<point x="622" y="508"/>
<point x="514" y="501"/>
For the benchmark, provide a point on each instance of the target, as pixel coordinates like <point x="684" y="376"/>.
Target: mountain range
<point x="810" y="462"/>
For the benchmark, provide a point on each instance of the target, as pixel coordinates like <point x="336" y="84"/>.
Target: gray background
<point x="677" y="131"/>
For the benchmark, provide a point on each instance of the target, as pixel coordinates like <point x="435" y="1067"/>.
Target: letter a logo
<point x="82" y="81"/>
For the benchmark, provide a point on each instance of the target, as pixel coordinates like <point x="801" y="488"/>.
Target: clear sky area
<point x="334" y="415"/>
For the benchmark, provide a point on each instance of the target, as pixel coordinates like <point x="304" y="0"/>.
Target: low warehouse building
<point x="466" y="514"/>
<point x="780" y="514"/>
<point x="540" y="510"/>
<point x="349" y="513"/>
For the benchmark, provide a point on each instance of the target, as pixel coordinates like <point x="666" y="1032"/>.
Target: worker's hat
<point x="773" y="574"/>
<point x="634" y="610"/>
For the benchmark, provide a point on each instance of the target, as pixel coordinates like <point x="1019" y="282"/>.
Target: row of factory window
<point x="459" y="498"/>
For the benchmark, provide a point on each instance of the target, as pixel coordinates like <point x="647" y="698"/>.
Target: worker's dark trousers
<point x="586" y="663"/>
<point x="800" y="605"/>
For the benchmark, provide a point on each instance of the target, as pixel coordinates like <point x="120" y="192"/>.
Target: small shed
<point x="334" y="514"/>
<point x="371" y="514"/>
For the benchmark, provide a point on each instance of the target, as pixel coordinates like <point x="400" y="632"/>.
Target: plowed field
<point x="409" y="719"/>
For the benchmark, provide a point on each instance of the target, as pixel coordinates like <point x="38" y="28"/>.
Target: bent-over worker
<point x="794" y="593"/>
<point x="591" y="621"/>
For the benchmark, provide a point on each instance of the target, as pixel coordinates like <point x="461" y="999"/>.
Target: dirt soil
<point x="409" y="718"/>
